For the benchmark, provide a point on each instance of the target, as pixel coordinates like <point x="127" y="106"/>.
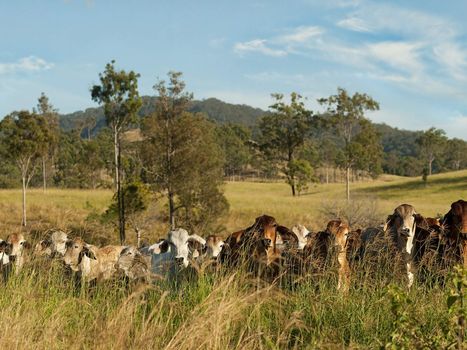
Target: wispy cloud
<point x="25" y="64"/>
<point x="354" y="23"/>
<point x="258" y="45"/>
<point x="300" y="34"/>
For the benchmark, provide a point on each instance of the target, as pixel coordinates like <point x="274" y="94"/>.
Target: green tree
<point x="23" y="135"/>
<point x="182" y="157"/>
<point x="456" y="154"/>
<point x="118" y="93"/>
<point x="137" y="198"/>
<point x="283" y="133"/>
<point x="234" y="139"/>
<point x="50" y="117"/>
<point x="432" y="143"/>
<point x="347" y="118"/>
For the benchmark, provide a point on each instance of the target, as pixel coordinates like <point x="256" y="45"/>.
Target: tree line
<point x="177" y="152"/>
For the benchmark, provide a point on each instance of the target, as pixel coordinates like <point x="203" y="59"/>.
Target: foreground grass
<point x="42" y="309"/>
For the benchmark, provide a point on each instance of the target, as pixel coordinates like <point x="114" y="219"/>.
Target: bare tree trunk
<point x="23" y="220"/>
<point x="347" y="184"/>
<point x="327" y="175"/>
<point x="171" y="210"/>
<point x="430" y="165"/>
<point x="120" y="200"/>
<point x="44" y="175"/>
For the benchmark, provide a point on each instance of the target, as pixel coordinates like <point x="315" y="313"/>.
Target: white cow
<point x="175" y="252"/>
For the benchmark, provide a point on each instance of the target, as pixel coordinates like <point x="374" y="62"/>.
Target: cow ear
<point x="164" y="246"/>
<point x="88" y="253"/>
<point x="419" y="220"/>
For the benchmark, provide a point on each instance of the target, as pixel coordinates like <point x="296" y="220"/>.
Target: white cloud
<point x="453" y="58"/>
<point x="354" y="23"/>
<point x="25" y="64"/>
<point x="301" y="34"/>
<point x="258" y="45"/>
<point x="400" y="55"/>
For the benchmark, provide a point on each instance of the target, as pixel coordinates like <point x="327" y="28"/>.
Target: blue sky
<point x="411" y="56"/>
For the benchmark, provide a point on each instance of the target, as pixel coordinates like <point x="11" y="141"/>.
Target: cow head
<point x="132" y="263"/>
<point x="58" y="239"/>
<point x="402" y="224"/>
<point x="180" y="243"/>
<point x="73" y="253"/>
<point x="340" y="232"/>
<point x="214" y="245"/>
<point x="263" y="231"/>
<point x="18" y="245"/>
<point x="43" y="248"/>
<point x="5" y="250"/>
<point x="456" y="219"/>
<point x="302" y="233"/>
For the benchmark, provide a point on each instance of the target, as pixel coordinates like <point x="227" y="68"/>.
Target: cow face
<point x="59" y="239"/>
<point x="402" y="223"/>
<point x="132" y="263"/>
<point x="179" y="243"/>
<point x="214" y="245"/>
<point x="302" y="233"/>
<point x="340" y="232"/>
<point x="5" y="250"/>
<point x="73" y="253"/>
<point x="43" y="248"/>
<point x="264" y="231"/>
<point x="18" y="245"/>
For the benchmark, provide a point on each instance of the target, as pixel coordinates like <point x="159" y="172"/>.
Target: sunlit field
<point x="62" y="207"/>
<point x="41" y="308"/>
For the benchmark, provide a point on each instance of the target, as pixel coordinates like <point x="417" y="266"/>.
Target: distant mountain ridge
<point x="215" y="109"/>
<point x="401" y="142"/>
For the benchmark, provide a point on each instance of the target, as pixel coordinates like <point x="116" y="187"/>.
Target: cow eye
<point x="21" y="243"/>
<point x="76" y="247"/>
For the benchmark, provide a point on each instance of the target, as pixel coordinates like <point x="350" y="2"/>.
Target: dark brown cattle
<point x="455" y="225"/>
<point x="256" y="243"/>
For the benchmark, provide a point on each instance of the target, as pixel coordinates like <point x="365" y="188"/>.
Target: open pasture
<point x="42" y="309"/>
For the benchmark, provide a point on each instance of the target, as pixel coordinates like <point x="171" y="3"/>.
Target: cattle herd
<point x="266" y="249"/>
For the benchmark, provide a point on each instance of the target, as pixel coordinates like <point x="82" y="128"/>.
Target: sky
<point x="410" y="56"/>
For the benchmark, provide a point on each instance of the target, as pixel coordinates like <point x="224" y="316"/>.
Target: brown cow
<point x="255" y="244"/>
<point x="455" y="223"/>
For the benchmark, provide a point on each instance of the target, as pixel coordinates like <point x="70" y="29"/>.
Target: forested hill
<point x="400" y="142"/>
<point x="215" y="109"/>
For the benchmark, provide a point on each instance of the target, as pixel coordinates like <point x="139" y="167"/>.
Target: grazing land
<point x="41" y="308"/>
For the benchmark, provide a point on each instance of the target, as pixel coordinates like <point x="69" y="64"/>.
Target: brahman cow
<point x="175" y="252"/>
<point x="5" y="266"/>
<point x="214" y="245"/>
<point x="455" y="223"/>
<point x="401" y="226"/>
<point x="19" y="245"/>
<point x="255" y="245"/>
<point x="91" y="262"/>
<point x="54" y="245"/>
<point x="134" y="265"/>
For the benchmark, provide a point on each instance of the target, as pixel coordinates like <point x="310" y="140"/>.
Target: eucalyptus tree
<point x="283" y="133"/>
<point x="347" y="120"/>
<point x="118" y="93"/>
<point x="22" y="136"/>
<point x="432" y="143"/>
<point x="50" y="118"/>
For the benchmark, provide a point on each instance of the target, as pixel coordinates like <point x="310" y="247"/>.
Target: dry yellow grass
<point x="64" y="207"/>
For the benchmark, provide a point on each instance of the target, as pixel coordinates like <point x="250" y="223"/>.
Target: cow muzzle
<point x="179" y="260"/>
